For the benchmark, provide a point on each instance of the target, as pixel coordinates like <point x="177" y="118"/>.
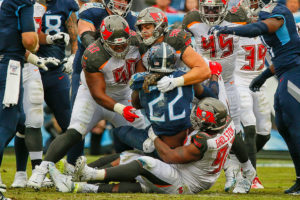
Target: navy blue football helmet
<point x="162" y="58"/>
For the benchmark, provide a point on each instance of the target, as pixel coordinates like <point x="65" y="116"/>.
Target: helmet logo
<point x="206" y="116"/>
<point x="105" y="33"/>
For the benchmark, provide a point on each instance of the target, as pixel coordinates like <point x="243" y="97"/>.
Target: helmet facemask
<point x="213" y="12"/>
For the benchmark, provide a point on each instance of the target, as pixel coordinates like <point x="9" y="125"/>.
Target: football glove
<point x="42" y="62"/>
<point x="59" y="39"/>
<point x="126" y="111"/>
<point x="256" y="83"/>
<point x="151" y="134"/>
<point x="166" y="83"/>
<point x="217" y="30"/>
<point x="68" y="64"/>
<point x="215" y="68"/>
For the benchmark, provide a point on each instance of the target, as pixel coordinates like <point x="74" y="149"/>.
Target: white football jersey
<point x="250" y="60"/>
<point x="117" y="73"/>
<point x="206" y="171"/>
<point x="217" y="48"/>
<point x="38" y="13"/>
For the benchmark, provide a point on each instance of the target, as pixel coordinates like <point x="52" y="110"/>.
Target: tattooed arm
<point x="71" y="25"/>
<point x="179" y="155"/>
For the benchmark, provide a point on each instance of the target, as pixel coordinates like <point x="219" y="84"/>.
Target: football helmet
<point x="114" y="30"/>
<point x="209" y="115"/>
<point x="152" y="15"/>
<point x="162" y="58"/>
<point x="118" y="8"/>
<point x="253" y="7"/>
<point x="213" y="12"/>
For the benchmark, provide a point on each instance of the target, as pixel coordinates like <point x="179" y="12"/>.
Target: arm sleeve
<point x="249" y="30"/>
<point x="26" y="19"/>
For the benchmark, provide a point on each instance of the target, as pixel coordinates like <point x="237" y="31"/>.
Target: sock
<point x="246" y="165"/>
<point x="132" y="169"/>
<point x="21" y="152"/>
<point x="87" y="188"/>
<point x="75" y="152"/>
<point x="239" y="149"/>
<point x="105" y="160"/>
<point x="123" y="187"/>
<point x="33" y="139"/>
<point x="261" y="140"/>
<point x="36" y="158"/>
<point x="250" y="141"/>
<point x="95" y="144"/>
<point x="61" y="144"/>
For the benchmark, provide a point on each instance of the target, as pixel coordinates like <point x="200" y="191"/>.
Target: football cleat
<point x="47" y="183"/>
<point x="37" y="177"/>
<point x="65" y="168"/>
<point x="231" y="172"/>
<point x="63" y="183"/>
<point x="20" y="180"/>
<point x="83" y="172"/>
<point x="294" y="189"/>
<point x="243" y="184"/>
<point x="256" y="184"/>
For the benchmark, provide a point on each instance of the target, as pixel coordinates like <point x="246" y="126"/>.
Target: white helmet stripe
<point x="164" y="63"/>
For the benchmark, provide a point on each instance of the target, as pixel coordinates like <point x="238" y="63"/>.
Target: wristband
<point x="151" y="134"/>
<point x="118" y="108"/>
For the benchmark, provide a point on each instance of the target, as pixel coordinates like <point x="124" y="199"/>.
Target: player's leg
<point x="288" y="123"/>
<point x="84" y="117"/>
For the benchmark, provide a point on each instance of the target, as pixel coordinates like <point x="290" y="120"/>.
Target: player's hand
<point x="256" y="83"/>
<point x="166" y="83"/>
<point x="151" y="134"/>
<point x="59" y="38"/>
<point x="68" y="64"/>
<point x="217" y="30"/>
<point x="129" y="114"/>
<point x="42" y="62"/>
<point x="215" y="68"/>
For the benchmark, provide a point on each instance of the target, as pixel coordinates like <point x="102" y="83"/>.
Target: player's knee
<point x="147" y="162"/>
<point x="36" y="92"/>
<point x="35" y="117"/>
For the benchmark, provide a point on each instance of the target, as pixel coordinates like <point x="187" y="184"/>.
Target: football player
<point x="223" y="50"/>
<point x="187" y="169"/>
<point x="277" y="28"/>
<point x="90" y="17"/>
<point x="17" y="34"/>
<point x="108" y="65"/>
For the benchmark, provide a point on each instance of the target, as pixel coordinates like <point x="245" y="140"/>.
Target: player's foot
<point x="295" y="188"/>
<point x="256" y="184"/>
<point x="63" y="183"/>
<point x="83" y="172"/>
<point x="20" y="180"/>
<point x="65" y="168"/>
<point x="37" y="177"/>
<point x="2" y="185"/>
<point x="47" y="183"/>
<point x="243" y="184"/>
<point x="231" y="172"/>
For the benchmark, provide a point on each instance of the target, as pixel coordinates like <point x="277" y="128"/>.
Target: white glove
<point x="68" y="64"/>
<point x="151" y="134"/>
<point x="148" y="146"/>
<point x="59" y="38"/>
<point x="166" y="83"/>
<point x="42" y="62"/>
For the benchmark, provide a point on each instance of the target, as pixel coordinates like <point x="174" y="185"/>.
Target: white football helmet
<point x="213" y="12"/>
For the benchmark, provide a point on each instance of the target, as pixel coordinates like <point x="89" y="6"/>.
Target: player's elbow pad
<point x="88" y="38"/>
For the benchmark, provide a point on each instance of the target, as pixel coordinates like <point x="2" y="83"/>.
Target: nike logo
<point x="61" y="77"/>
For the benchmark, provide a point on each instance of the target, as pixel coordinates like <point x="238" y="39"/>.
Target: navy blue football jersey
<point x="169" y="113"/>
<point x="284" y="44"/>
<point x="54" y="21"/>
<point x="10" y="29"/>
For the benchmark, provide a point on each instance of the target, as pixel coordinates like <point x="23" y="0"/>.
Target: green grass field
<point x="275" y="180"/>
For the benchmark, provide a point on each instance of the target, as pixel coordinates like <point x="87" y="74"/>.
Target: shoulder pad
<point x="190" y="18"/>
<point x="87" y="6"/>
<point x="239" y="15"/>
<point x="178" y="39"/>
<point x="200" y="141"/>
<point x="137" y="80"/>
<point x="269" y="7"/>
<point x="94" y="57"/>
